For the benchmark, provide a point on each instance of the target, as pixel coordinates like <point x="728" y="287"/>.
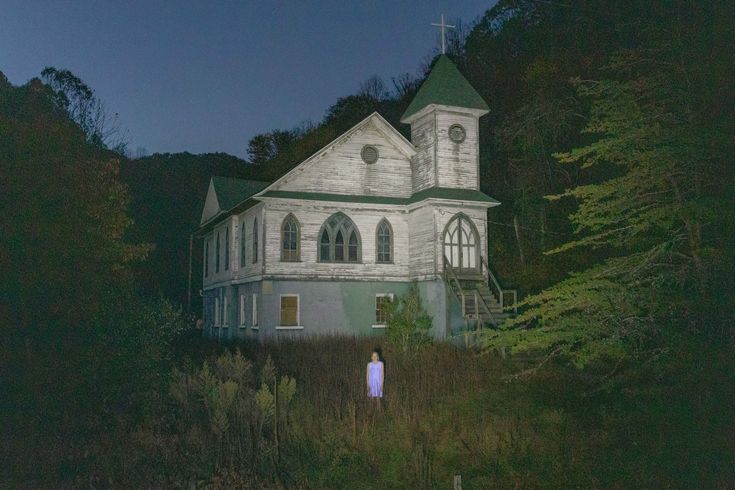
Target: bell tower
<point x="444" y="117"/>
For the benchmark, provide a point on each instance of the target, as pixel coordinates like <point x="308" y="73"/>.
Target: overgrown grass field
<point x="446" y="411"/>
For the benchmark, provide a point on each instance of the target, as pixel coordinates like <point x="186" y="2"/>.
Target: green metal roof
<point x="430" y="193"/>
<point x="445" y="85"/>
<point x="231" y="192"/>
<point x="451" y="193"/>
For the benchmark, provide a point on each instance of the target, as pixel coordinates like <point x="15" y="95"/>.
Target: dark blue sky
<point x="207" y="76"/>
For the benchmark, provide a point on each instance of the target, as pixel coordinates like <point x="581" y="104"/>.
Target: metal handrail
<point x="501" y="292"/>
<point x="452" y="278"/>
<point x="491" y="317"/>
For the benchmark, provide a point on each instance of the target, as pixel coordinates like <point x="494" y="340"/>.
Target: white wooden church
<point x="320" y="250"/>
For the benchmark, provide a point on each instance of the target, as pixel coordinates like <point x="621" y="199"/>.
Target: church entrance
<point x="461" y="245"/>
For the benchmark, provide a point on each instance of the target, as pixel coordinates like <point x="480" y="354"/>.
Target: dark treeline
<point x="608" y="143"/>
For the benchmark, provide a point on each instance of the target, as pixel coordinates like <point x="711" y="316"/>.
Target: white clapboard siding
<point x="423" y="137"/>
<point x="311" y="215"/>
<point x="342" y="170"/>
<point x="214" y="277"/>
<point x="421" y="242"/>
<point x="250" y="269"/>
<point x="457" y="162"/>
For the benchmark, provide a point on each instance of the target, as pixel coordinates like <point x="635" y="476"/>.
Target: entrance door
<point x="461" y="244"/>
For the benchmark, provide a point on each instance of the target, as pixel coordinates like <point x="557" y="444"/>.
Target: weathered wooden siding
<point x="342" y="170"/>
<point x="421" y="242"/>
<point x="223" y="276"/>
<point x="457" y="162"/>
<point x="423" y="137"/>
<point x="311" y="215"/>
<point x="250" y="269"/>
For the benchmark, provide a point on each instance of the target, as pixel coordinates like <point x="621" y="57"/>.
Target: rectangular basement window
<point x="289" y="317"/>
<point x="255" y="313"/>
<point x="242" y="311"/>
<point x="381" y="299"/>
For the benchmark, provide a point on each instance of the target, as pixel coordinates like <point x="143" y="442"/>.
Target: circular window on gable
<point x="457" y="133"/>
<point x="369" y="154"/>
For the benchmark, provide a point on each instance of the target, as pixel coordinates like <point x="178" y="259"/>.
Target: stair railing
<point x="451" y="278"/>
<point x="480" y="300"/>
<point x="499" y="292"/>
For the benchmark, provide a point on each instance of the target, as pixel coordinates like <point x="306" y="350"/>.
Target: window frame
<point x="227" y="248"/>
<point x="347" y="227"/>
<point x="288" y="220"/>
<point x="217" y="318"/>
<point x="243" y="246"/>
<point x="375" y="303"/>
<point x="242" y="310"/>
<point x="298" y="325"/>
<point x="391" y="239"/>
<point x="255" y="241"/>
<point x="225" y="311"/>
<point x="206" y="257"/>
<point x="255" y="325"/>
<point x="218" y="250"/>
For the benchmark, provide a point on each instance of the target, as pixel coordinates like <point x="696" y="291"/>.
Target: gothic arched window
<point x="227" y="247"/>
<point x="461" y="243"/>
<point x="384" y="243"/>
<point x="242" y="245"/>
<point x="339" y="240"/>
<point x="218" y="246"/>
<point x="290" y="240"/>
<point x="255" y="240"/>
<point x="206" y="259"/>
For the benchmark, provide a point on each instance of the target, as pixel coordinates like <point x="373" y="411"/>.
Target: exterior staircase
<point x="484" y="303"/>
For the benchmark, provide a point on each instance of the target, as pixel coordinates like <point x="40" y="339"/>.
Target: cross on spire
<point x="443" y="26"/>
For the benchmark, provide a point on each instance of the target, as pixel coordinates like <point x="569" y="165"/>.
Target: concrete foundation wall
<point x="325" y="308"/>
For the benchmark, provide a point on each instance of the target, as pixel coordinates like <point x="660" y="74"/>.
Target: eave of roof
<point x="430" y="193"/>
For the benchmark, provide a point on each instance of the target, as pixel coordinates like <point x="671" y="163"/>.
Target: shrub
<point x="408" y="322"/>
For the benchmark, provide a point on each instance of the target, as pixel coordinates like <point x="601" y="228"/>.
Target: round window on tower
<point x="369" y="154"/>
<point x="457" y="133"/>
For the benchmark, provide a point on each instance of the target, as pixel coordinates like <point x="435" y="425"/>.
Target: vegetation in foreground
<point x="220" y="424"/>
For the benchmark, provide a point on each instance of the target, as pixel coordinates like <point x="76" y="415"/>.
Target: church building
<point x="322" y="249"/>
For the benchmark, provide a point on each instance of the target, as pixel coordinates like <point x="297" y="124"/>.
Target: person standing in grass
<point x="375" y="377"/>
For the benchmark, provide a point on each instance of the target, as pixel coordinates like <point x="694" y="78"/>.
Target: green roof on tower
<point x="445" y="85"/>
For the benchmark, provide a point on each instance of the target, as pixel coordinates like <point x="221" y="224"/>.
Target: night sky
<point x="207" y="76"/>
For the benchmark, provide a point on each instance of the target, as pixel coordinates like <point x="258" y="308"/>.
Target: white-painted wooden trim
<point x="292" y="327"/>
<point x="375" y="303"/>
<point x="243" y="309"/>
<point x="444" y="108"/>
<point x="255" y="311"/>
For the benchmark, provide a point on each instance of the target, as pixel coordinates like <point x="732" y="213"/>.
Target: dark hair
<point x="377" y="350"/>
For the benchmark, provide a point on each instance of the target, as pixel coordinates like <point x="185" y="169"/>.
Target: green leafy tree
<point x="408" y="321"/>
<point x="658" y="214"/>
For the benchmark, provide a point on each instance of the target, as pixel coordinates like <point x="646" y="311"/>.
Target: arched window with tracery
<point x="290" y="239"/>
<point x="461" y="243"/>
<point x="384" y="242"/>
<point x="339" y="240"/>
